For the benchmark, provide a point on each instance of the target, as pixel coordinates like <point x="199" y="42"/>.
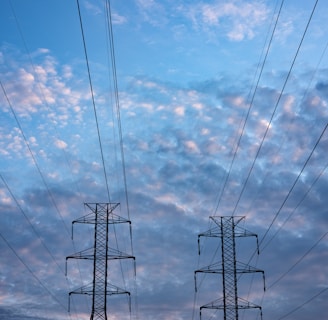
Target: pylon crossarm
<point x="219" y="219"/>
<point x="245" y="268"/>
<point x="244" y="304"/>
<point x="78" y="291"/>
<point x="212" y="268"/>
<point x="114" y="218"/>
<point x="216" y="304"/>
<point x="112" y="289"/>
<point x="89" y="254"/>
<point x="89" y="218"/>
<point x="84" y="254"/>
<point x="102" y="219"/>
<point x="117" y="254"/>
<point x="241" y="232"/>
<point x="99" y="206"/>
<point x="219" y="304"/>
<point x="213" y="232"/>
<point x="98" y="209"/>
<point x="87" y="289"/>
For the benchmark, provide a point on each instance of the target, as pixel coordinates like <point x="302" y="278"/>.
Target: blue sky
<point x="198" y="139"/>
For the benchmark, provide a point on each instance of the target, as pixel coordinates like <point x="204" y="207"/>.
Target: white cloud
<point x="60" y="144"/>
<point x="198" y="106"/>
<point x="33" y="141"/>
<point x="205" y="131"/>
<point x="237" y="19"/>
<point x="92" y="8"/>
<point x="4" y="197"/>
<point x="118" y="19"/>
<point x="180" y="111"/>
<point x="191" y="146"/>
<point x="288" y="105"/>
<point x="67" y="72"/>
<point x="152" y="11"/>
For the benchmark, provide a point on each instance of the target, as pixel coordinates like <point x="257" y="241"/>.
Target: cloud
<point x="60" y="144"/>
<point x="179" y="138"/>
<point x="92" y="8"/>
<point x="237" y="19"/>
<point x="153" y="12"/>
<point x="118" y="19"/>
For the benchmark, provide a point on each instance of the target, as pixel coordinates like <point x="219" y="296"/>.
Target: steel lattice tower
<point x="101" y="215"/>
<point x="226" y="229"/>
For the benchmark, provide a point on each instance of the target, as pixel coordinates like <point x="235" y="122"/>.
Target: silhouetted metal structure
<point x="226" y="228"/>
<point x="101" y="215"/>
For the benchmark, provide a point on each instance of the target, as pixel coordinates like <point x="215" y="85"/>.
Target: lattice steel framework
<point x="101" y="215"/>
<point x="226" y="228"/>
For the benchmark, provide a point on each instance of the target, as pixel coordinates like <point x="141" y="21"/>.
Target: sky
<point x="221" y="109"/>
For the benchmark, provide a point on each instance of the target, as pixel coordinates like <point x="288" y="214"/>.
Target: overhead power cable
<point x="117" y="100"/>
<point x="290" y="190"/>
<point x="118" y="115"/>
<point x="32" y="273"/>
<point x="295" y="208"/>
<point x="30" y="223"/>
<point x="298" y="261"/>
<point x="108" y="16"/>
<point x="286" y="135"/>
<point x="93" y="99"/>
<point x="294" y="184"/>
<point x="40" y="87"/>
<point x="37" y="166"/>
<point x="304" y="303"/>
<point x="249" y="108"/>
<point x="34" y="159"/>
<point x="276" y="106"/>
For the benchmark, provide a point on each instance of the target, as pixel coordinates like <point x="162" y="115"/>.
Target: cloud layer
<point x="188" y="155"/>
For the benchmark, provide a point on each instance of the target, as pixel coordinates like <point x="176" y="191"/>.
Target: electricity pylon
<point x="101" y="215"/>
<point x="226" y="228"/>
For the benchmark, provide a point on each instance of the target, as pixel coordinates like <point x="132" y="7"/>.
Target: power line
<point x="294" y="184"/>
<point x="275" y="108"/>
<point x="316" y="179"/>
<point x="93" y="99"/>
<point x="304" y="303"/>
<point x="117" y="100"/>
<point x="292" y="267"/>
<point x="32" y="273"/>
<point x="37" y="165"/>
<point x="95" y="110"/>
<point x="250" y="106"/>
<point x="298" y="261"/>
<point x="299" y="203"/>
<point x="36" y="75"/>
<point x="118" y="115"/>
<point x="281" y="145"/>
<point x="33" y="158"/>
<point x="290" y="190"/>
<point x="30" y="223"/>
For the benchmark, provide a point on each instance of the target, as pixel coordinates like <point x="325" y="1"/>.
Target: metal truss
<point x="101" y="216"/>
<point x="226" y="228"/>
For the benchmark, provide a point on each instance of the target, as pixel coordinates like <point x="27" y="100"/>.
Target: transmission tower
<point x="101" y="216"/>
<point x="226" y="228"/>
